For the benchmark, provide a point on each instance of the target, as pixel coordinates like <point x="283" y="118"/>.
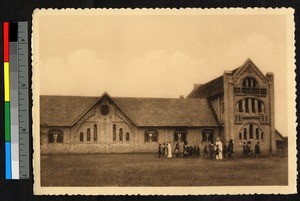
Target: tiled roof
<point x="209" y="89"/>
<point x="193" y="112"/>
<point x="63" y="110"/>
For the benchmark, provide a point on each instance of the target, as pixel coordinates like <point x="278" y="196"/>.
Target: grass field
<point x="149" y="170"/>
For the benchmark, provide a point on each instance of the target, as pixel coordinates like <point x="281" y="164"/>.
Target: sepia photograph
<point x="164" y="101"/>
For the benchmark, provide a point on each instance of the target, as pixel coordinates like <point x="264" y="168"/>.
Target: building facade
<point x="238" y="105"/>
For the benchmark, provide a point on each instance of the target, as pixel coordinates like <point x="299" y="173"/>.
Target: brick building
<point x="238" y="105"/>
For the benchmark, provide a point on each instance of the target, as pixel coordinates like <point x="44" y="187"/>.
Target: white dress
<point x="169" y="151"/>
<point x="220" y="145"/>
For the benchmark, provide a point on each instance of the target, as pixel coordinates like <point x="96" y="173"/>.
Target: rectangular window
<point x="240" y="106"/>
<point x="114" y="132"/>
<point x="151" y="136"/>
<point x="247" y="105"/>
<point x="95" y="133"/>
<point x="259" y="107"/>
<point x="253" y="105"/>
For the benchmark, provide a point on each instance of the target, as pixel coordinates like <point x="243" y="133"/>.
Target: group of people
<point x="165" y="150"/>
<point x="217" y="151"/>
<point x="247" y="151"/>
<point x="213" y="151"/>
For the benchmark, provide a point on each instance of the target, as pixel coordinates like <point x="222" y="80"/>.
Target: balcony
<point x="251" y="91"/>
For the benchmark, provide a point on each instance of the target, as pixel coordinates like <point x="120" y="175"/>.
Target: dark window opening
<point x="240" y="136"/>
<point x="245" y="133"/>
<point x="55" y="136"/>
<point x="114" y="132"/>
<point x="207" y="136"/>
<point x="127" y="136"/>
<point x="180" y="135"/>
<point x="151" y="136"/>
<point x="257" y="133"/>
<point x="120" y="134"/>
<point x="250" y="82"/>
<point x="262" y="136"/>
<point x="88" y="135"/>
<point x="95" y="133"/>
<point x="251" y="131"/>
<point x="253" y="104"/>
<point x="81" y="137"/>
<point x="247" y="105"/>
<point x="104" y="110"/>
<point x="240" y="106"/>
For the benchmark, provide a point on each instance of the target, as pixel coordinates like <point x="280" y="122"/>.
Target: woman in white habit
<point x="169" y="150"/>
<point x="220" y="146"/>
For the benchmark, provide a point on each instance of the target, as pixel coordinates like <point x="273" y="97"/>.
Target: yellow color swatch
<point x="6" y="81"/>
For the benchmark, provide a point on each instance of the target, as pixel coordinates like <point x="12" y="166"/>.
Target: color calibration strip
<point x="16" y="111"/>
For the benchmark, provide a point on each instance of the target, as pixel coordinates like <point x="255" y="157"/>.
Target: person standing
<point x="198" y="151"/>
<point x="219" y="146"/>
<point x="245" y="149"/>
<point x="217" y="151"/>
<point x="177" y="147"/>
<point x="185" y="149"/>
<point x="230" y="149"/>
<point x="205" y="152"/>
<point x="159" y="150"/>
<point x="257" y="149"/>
<point x="169" y="150"/>
<point x="166" y="150"/>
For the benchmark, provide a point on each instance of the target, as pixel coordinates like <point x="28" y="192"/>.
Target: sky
<point x="158" y="55"/>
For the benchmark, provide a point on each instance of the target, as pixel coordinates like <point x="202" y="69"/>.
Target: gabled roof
<point x="216" y="86"/>
<point x="64" y="110"/>
<point x="209" y="89"/>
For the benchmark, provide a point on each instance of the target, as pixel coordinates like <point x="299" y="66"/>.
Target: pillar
<point x="270" y="78"/>
<point x="228" y="106"/>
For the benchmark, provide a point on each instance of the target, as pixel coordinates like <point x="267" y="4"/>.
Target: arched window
<point x="245" y="134"/>
<point x="180" y="135"/>
<point x="127" y="136"/>
<point x="120" y="134"/>
<point x="250" y="82"/>
<point x="114" y="132"/>
<point x="55" y="136"/>
<point x="208" y="136"/>
<point x="251" y="131"/>
<point x="95" y="132"/>
<point x="88" y="135"/>
<point x="240" y="136"/>
<point x="151" y="135"/>
<point x="248" y="105"/>
<point x="257" y="133"/>
<point x="81" y="137"/>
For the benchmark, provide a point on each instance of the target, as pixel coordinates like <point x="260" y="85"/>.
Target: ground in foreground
<point x="149" y="170"/>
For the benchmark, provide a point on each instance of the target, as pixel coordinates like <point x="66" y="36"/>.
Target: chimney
<point x="181" y="96"/>
<point x="196" y="86"/>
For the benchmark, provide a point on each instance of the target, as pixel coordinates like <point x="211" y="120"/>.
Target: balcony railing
<point x="246" y="90"/>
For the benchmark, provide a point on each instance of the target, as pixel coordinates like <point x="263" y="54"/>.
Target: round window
<point x="104" y="109"/>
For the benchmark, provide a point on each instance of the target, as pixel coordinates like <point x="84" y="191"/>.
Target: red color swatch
<point x="6" y="41"/>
